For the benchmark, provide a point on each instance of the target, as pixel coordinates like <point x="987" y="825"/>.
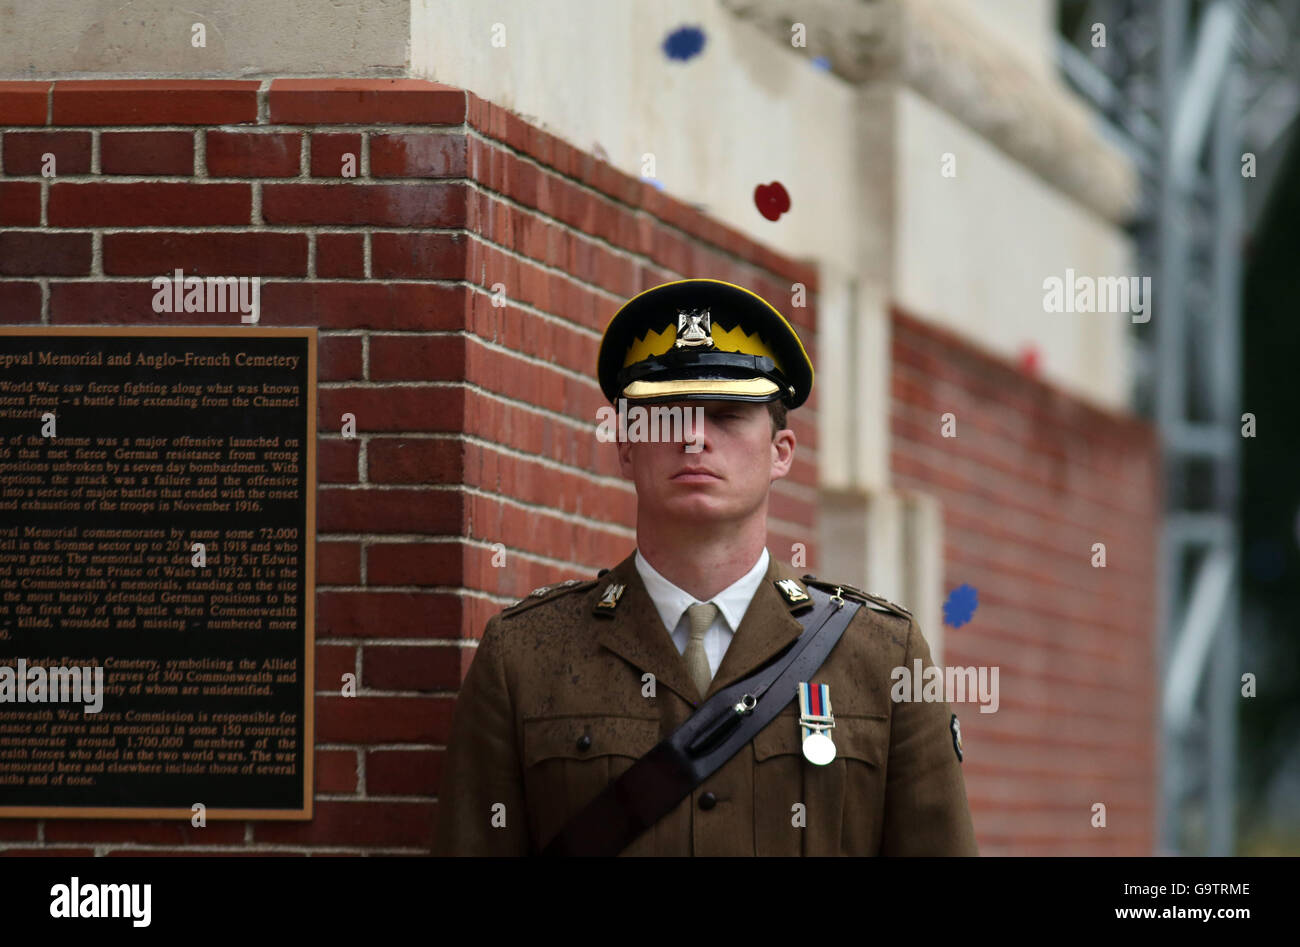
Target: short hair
<point x="777" y="410"/>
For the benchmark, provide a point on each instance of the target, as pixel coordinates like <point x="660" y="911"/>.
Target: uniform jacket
<point x="555" y="669"/>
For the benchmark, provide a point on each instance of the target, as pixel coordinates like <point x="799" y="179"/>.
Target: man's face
<point x="727" y="478"/>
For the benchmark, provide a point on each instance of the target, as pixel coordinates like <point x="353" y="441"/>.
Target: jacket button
<point x="708" y="801"/>
<point x="584" y="742"/>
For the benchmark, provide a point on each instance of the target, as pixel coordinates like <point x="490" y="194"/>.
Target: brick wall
<point x="1031" y="481"/>
<point x="475" y="422"/>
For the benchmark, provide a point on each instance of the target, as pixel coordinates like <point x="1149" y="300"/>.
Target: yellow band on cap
<point x="726" y="340"/>
<point x="701" y="386"/>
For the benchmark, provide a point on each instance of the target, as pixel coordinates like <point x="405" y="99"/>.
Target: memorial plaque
<point x="157" y="532"/>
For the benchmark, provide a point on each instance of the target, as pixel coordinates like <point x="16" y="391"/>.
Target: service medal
<point x="815" y="719"/>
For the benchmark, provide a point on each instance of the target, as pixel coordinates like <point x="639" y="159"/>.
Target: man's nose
<point x="695" y="431"/>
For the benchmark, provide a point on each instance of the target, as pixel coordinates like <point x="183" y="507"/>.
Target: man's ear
<point x="625" y="458"/>
<point x="783" y="444"/>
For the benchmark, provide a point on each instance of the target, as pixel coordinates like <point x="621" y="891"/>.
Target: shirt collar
<point x="670" y="601"/>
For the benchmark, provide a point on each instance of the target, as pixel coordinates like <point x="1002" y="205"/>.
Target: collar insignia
<point x="792" y="591"/>
<point x="609" y="598"/>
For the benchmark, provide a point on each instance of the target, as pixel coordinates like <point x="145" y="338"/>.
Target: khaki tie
<point x="697" y="662"/>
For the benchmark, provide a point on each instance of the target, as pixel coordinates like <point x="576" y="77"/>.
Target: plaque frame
<point x="304" y="812"/>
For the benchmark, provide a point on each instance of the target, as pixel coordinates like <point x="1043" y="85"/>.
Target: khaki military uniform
<point x="555" y="706"/>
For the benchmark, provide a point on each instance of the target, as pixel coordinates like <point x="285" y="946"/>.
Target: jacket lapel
<point x="769" y="626"/>
<point x="633" y="630"/>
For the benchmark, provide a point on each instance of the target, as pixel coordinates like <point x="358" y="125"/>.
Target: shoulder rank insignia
<point x="955" y="726"/>
<point x="792" y="591"/>
<point x="546" y="593"/>
<point x="874" y="600"/>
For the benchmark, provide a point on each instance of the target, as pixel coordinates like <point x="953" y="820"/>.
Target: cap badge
<point x="694" y="329"/>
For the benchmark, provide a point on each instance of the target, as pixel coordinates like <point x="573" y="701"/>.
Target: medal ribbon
<point x="814" y="708"/>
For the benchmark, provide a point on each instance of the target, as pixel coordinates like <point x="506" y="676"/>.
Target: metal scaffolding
<point x="1191" y="90"/>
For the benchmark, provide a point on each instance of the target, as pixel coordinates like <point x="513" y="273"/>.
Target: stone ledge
<point x="954" y="61"/>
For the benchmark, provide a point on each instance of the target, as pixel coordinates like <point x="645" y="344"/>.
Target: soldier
<point x="560" y="742"/>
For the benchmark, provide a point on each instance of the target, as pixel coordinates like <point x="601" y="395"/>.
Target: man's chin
<point x="695" y="508"/>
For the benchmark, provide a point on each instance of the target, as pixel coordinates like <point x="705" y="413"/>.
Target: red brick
<point x="535" y="384"/>
<point x="519" y="574"/>
<point x="403" y="772"/>
<point x="417" y="358"/>
<point x="526" y="430"/>
<point x="251" y="155"/>
<point x="152" y="832"/>
<point x="340" y="255"/>
<point x="19" y="302"/>
<point x="200" y="853"/>
<point x="20" y="205"/>
<point x="206" y="254"/>
<point x="367" y="720"/>
<point x="418" y="564"/>
<point x="48" y="852"/>
<point x="29" y="253"/>
<point x="338" y="460"/>
<point x="154" y="102"/>
<point x="146" y="153"/>
<point x="414" y="460"/>
<point x="332" y="662"/>
<point x="389" y="510"/>
<point x="484" y="115"/>
<point x="414" y="306"/>
<point x="23" y="152"/>
<point x="99" y="302"/>
<point x="393" y="409"/>
<point x="573" y="492"/>
<point x="338" y="563"/>
<point x="402" y="668"/>
<point x="328" y="151"/>
<point x="417" y="156"/>
<point x="405" y="614"/>
<point x="535" y="532"/>
<point x="336" y="771"/>
<point x="418" y="255"/>
<point x="18" y="830"/>
<point x="394" y="205"/>
<point x="521" y="331"/>
<point x="121" y="204"/>
<point x="365" y="102"/>
<point x="354" y="824"/>
<point x="1034" y="479"/>
<point x="23" y="103"/>
<point x="339" y="358"/>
